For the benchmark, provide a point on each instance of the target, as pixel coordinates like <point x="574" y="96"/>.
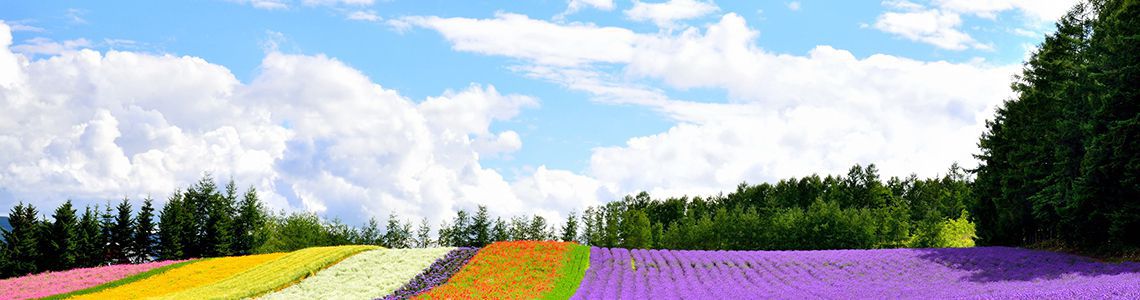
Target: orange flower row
<point x="507" y="270"/>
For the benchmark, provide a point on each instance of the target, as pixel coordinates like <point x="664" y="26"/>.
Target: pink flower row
<point x="52" y="283"/>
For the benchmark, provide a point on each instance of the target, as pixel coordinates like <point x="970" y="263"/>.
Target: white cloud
<point x="574" y="6"/>
<point x="41" y="45"/>
<point x="520" y="36"/>
<point x="75" y="15"/>
<point x="310" y="132"/>
<point x="337" y="2"/>
<point x="666" y="14"/>
<point x="264" y="4"/>
<point x="935" y="27"/>
<point x="940" y="25"/>
<point x="786" y="115"/>
<point x="1039" y="10"/>
<point x="794" y="6"/>
<point x="364" y="15"/>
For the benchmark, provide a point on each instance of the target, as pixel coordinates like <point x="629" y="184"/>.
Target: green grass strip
<point x="571" y="274"/>
<point x="125" y="281"/>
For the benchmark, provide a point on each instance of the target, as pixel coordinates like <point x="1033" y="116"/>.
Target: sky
<point x="355" y="109"/>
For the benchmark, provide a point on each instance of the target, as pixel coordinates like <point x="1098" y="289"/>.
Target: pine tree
<point x="460" y="230"/>
<point x="570" y="229"/>
<point x="370" y="234"/>
<point x="91" y="242"/>
<point x="480" y="230"/>
<point x="107" y="227"/>
<point x="64" y="238"/>
<point x="143" y="244"/>
<point x="251" y="216"/>
<point x="171" y="228"/>
<point x="217" y="235"/>
<point x="122" y="233"/>
<point x="396" y="234"/>
<point x="499" y="233"/>
<point x="423" y="234"/>
<point x="21" y="242"/>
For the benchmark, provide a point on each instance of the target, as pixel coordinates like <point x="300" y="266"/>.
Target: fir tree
<point x="64" y="238"/>
<point x="171" y="228"/>
<point x="143" y="246"/>
<point x="250" y="217"/>
<point x="21" y="242"/>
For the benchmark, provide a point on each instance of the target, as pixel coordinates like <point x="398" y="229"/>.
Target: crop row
<point x="199" y="273"/>
<point x="52" y="283"/>
<point x="271" y="275"/>
<point x="435" y="275"/>
<point x="507" y="270"/>
<point x="367" y="275"/>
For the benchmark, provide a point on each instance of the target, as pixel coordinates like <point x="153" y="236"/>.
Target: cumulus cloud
<point x="666" y="14"/>
<point x="309" y="132"/>
<point x="940" y="25"/>
<point x="785" y="115"/>
<point x="933" y="27"/>
<point x="42" y="45"/>
<point x="573" y="6"/>
<point x="516" y="35"/>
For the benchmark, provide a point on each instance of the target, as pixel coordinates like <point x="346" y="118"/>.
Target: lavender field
<point x="983" y="272"/>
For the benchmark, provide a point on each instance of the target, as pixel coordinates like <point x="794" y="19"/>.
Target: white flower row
<point x="368" y="275"/>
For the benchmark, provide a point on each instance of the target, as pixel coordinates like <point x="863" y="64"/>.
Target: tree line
<point x="1060" y="162"/>
<point x="857" y="211"/>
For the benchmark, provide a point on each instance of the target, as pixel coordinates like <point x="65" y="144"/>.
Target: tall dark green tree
<point x="172" y="223"/>
<point x="250" y="216"/>
<point x="480" y="230"/>
<point x="22" y="241"/>
<point x="91" y="241"/>
<point x="143" y="244"/>
<point x="122" y="234"/>
<point x="63" y="239"/>
<point x="423" y="234"/>
<point x="570" y="228"/>
<point x="500" y="232"/>
<point x="217" y="235"/>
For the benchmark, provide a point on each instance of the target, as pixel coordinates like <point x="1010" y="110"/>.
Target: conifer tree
<point x="143" y="244"/>
<point x="122" y="233"/>
<point x="480" y="230"/>
<point x="171" y="228"/>
<point x="251" y="216"/>
<point x="91" y="242"/>
<point x="570" y="229"/>
<point x="21" y="242"/>
<point x="63" y="252"/>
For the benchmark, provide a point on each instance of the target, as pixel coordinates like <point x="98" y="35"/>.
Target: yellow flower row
<point x="190" y="276"/>
<point x="272" y="275"/>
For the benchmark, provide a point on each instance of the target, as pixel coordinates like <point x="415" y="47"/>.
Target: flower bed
<point x="438" y="273"/>
<point x="272" y="275"/>
<point x="196" y="274"/>
<point x="506" y="270"/>
<point x="51" y="283"/>
<point x="986" y="272"/>
<point x="367" y="275"/>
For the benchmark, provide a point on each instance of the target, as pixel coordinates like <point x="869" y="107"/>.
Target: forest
<point x="1058" y="164"/>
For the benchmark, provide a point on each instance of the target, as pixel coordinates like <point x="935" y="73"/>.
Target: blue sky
<point x="540" y="106"/>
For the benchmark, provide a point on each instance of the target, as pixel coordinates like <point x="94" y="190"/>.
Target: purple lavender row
<point x="435" y="275"/>
<point x="985" y="272"/>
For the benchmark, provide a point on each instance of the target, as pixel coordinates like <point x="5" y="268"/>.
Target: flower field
<point x="367" y="275"/>
<point x="52" y="283"/>
<point x="437" y="274"/>
<point x="558" y="270"/>
<point x="271" y="275"/>
<point x="986" y="272"/>
<point x="203" y="272"/>
<point x="507" y="270"/>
